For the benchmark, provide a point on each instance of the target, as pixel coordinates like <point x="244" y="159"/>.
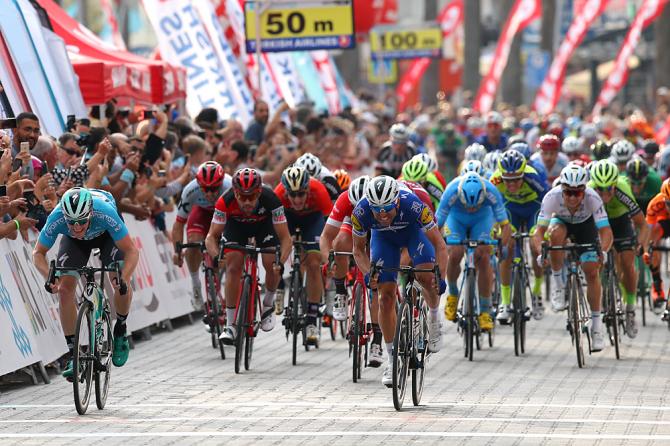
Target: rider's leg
<point x="593" y="289"/>
<point x="314" y="287"/>
<point x="234" y="265"/>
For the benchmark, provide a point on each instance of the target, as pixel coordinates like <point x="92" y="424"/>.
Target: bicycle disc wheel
<point x="401" y="348"/>
<point x="419" y="347"/>
<point x="103" y="353"/>
<point x="82" y="366"/>
<point x="296" y="287"/>
<point x="356" y="334"/>
<point x="214" y="312"/>
<point x="576" y="320"/>
<point x="241" y="323"/>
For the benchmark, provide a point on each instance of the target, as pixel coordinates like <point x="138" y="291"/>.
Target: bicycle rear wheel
<point x="82" y="366"/>
<point x="419" y="346"/>
<point x="356" y="333"/>
<point x="103" y="354"/>
<point x="214" y="312"/>
<point x="241" y="323"/>
<point x="401" y="352"/>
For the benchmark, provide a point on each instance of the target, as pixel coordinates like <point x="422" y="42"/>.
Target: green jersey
<point x="623" y="202"/>
<point x="652" y="186"/>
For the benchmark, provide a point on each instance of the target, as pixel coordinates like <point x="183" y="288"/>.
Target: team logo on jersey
<point x="426" y="216"/>
<point x="356" y="224"/>
<point x="416" y="206"/>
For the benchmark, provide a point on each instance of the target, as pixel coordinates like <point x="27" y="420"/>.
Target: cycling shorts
<point x="523" y="215"/>
<point x="311" y="226"/>
<point x="584" y="232"/>
<point x="263" y="232"/>
<point x="465" y="225"/>
<point x="74" y="253"/>
<point x="622" y="227"/>
<point x="199" y="220"/>
<point x="385" y="247"/>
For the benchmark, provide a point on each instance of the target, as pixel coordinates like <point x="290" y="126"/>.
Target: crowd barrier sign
<point x="30" y="328"/>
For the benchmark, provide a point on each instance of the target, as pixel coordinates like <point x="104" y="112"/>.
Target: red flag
<point x="449" y="19"/>
<point x="550" y="91"/>
<point x="648" y="12"/>
<point x="523" y="13"/>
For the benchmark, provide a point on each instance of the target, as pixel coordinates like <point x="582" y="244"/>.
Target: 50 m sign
<point x="299" y="26"/>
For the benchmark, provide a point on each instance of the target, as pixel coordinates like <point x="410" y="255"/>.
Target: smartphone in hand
<point x="24" y="147"/>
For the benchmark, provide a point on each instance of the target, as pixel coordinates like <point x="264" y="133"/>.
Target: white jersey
<point x="555" y="171"/>
<point x="553" y="206"/>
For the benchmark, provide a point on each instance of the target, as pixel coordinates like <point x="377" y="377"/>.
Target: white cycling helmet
<point x="574" y="175"/>
<point x="430" y="162"/>
<point x="622" y="151"/>
<point x="399" y="133"/>
<point x="475" y="151"/>
<point x="382" y="190"/>
<point x="491" y="159"/>
<point x="571" y="145"/>
<point x="588" y="130"/>
<point x="311" y="164"/>
<point x="357" y="189"/>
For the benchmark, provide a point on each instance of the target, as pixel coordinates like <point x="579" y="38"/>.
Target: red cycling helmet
<point x="247" y="181"/>
<point x="549" y="142"/>
<point x="210" y="174"/>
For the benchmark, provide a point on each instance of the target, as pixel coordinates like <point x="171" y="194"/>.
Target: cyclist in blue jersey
<point x="398" y="219"/>
<point x="470" y="207"/>
<point x="88" y="219"/>
<point x="522" y="190"/>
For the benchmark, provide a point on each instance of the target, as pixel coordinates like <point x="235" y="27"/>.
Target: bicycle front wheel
<point x="82" y="366"/>
<point x="356" y="333"/>
<point x="103" y="356"/>
<point x="241" y="323"/>
<point x="251" y="333"/>
<point x="215" y="312"/>
<point x="401" y="353"/>
<point x="575" y="319"/>
<point x="296" y="288"/>
<point x="470" y="317"/>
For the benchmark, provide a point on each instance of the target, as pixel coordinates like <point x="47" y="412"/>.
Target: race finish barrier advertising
<point x="392" y="42"/>
<point x="30" y="328"/>
<point x="299" y="26"/>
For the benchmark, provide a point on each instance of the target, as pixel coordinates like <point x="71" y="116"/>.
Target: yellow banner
<point x="400" y="44"/>
<point x="283" y="22"/>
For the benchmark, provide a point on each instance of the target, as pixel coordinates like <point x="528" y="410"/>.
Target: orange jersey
<point x="657" y="210"/>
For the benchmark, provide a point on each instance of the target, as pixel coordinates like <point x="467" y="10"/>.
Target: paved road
<point x="175" y="390"/>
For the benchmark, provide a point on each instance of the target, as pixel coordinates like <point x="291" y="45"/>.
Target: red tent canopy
<point x="150" y="81"/>
<point x="101" y="80"/>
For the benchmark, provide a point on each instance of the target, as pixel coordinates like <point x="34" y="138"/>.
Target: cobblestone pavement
<point x="176" y="390"/>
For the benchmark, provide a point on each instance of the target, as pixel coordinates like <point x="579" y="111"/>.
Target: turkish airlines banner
<point x="449" y="19"/>
<point x="550" y="91"/>
<point x="648" y="12"/>
<point x="523" y="13"/>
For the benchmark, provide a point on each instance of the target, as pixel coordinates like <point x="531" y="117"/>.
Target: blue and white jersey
<point x="412" y="215"/>
<point x="450" y="202"/>
<point x="192" y="195"/>
<point x="105" y="217"/>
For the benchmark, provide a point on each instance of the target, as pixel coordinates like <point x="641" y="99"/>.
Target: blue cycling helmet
<point x="512" y="164"/>
<point x="471" y="190"/>
<point x="473" y="166"/>
<point x="522" y="147"/>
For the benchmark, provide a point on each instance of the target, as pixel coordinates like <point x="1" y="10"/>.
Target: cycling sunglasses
<point x="210" y="189"/>
<point x="383" y="209"/>
<point x="247" y="197"/>
<point x="573" y="192"/>
<point x="300" y="193"/>
<point x="80" y="222"/>
<point x="604" y="189"/>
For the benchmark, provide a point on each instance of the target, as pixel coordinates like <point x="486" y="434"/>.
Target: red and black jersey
<point x="228" y="209"/>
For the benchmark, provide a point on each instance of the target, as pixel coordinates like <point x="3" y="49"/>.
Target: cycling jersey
<point x="419" y="191"/>
<point x="451" y="203"/>
<point x="192" y="195"/>
<point x="391" y="163"/>
<point x="553" y="207"/>
<point x="652" y="186"/>
<point x="622" y="203"/>
<point x="440" y="178"/>
<point x="489" y="146"/>
<point x="104" y="218"/>
<point x="555" y="171"/>
<point x="330" y="182"/>
<point x="227" y="209"/>
<point x="657" y="211"/>
<point x="533" y="188"/>
<point x="412" y="214"/>
<point x="318" y="199"/>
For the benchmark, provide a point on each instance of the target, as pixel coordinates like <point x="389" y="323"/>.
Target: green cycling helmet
<point x="604" y="173"/>
<point x="415" y="170"/>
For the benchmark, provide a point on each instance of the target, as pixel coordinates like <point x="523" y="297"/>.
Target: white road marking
<point x="340" y="434"/>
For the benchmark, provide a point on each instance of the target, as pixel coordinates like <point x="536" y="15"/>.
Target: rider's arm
<point x="441" y="256"/>
<point x="131" y="255"/>
<point x="606" y="238"/>
<point x="643" y="229"/>
<point x="284" y="240"/>
<point x="327" y="236"/>
<point x="538" y="237"/>
<point x="40" y="259"/>
<point x="360" y="254"/>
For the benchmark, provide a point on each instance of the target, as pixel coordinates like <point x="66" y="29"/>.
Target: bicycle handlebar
<point x="87" y="271"/>
<point x="251" y="249"/>
<point x="179" y="246"/>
